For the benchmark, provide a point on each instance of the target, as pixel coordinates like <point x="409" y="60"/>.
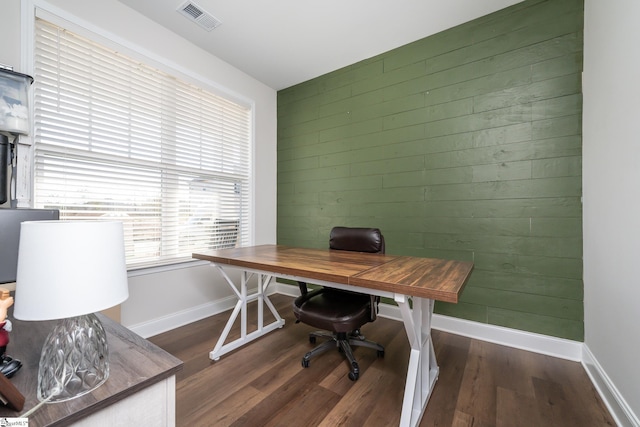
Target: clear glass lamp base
<point x="74" y="360"/>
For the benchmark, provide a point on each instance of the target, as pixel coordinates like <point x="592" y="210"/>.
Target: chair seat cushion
<point x="333" y="309"/>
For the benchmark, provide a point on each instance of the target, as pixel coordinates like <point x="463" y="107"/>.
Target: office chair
<point x="340" y="313"/>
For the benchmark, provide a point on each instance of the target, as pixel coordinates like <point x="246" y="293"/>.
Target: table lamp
<point x="68" y="270"/>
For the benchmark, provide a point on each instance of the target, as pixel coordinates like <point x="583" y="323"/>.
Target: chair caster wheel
<point x="355" y="371"/>
<point x="312" y="340"/>
<point x="305" y="363"/>
<point x="380" y="353"/>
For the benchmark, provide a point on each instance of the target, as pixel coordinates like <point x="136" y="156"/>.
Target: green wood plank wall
<point x="464" y="145"/>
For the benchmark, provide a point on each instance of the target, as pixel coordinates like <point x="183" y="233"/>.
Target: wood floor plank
<point x="263" y="383"/>
<point x="355" y="406"/>
<point x="310" y="407"/>
<point x="585" y="396"/>
<point x="553" y="406"/>
<point x="388" y="398"/>
<point x="375" y="400"/>
<point x="516" y="410"/>
<point x="451" y="351"/>
<point x="206" y="386"/>
<point x="513" y="373"/>
<point x="460" y="419"/>
<point x="477" y="395"/>
<point x="228" y="411"/>
<point x="279" y="400"/>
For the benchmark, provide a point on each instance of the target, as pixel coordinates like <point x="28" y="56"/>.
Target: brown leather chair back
<point x="356" y="239"/>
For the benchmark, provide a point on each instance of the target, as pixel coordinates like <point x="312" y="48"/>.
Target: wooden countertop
<point x="432" y="278"/>
<point x="134" y="364"/>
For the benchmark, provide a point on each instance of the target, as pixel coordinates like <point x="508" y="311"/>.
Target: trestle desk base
<point x="422" y="371"/>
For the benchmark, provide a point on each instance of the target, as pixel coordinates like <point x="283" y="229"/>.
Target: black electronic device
<point x="4" y="168"/>
<point x="10" y="220"/>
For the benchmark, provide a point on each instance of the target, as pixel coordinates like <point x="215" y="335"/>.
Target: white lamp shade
<point x="69" y="268"/>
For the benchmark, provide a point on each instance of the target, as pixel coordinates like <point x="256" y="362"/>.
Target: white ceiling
<point x="285" y="42"/>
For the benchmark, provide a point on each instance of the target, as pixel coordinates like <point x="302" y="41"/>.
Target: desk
<point x="405" y="279"/>
<point x="140" y="389"/>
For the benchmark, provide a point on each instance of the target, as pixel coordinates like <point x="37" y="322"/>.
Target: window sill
<point x="143" y="271"/>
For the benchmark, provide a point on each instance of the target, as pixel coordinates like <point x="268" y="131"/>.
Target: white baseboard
<point x="284" y="289"/>
<point x="543" y="344"/>
<point x="538" y="343"/>
<point x="617" y="405"/>
<point x="181" y="318"/>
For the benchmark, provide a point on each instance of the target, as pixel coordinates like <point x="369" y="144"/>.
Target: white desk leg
<point x="422" y="372"/>
<point x="241" y="308"/>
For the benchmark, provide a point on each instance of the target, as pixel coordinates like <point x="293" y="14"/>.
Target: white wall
<point x="611" y="177"/>
<point x="166" y="297"/>
<point x="10" y="41"/>
<point x="10" y="34"/>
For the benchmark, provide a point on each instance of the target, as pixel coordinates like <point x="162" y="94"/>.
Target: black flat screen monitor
<point x="10" y="220"/>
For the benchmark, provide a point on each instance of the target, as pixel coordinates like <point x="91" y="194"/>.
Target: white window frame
<point x="30" y="9"/>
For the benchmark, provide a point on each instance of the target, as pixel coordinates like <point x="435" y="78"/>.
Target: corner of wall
<point x="617" y="405"/>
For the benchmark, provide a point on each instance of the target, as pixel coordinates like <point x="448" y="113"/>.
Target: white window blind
<point x="117" y="139"/>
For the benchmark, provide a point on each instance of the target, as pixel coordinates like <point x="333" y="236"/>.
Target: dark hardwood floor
<point x="264" y="384"/>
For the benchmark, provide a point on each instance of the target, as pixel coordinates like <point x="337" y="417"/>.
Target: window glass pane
<point x="115" y="138"/>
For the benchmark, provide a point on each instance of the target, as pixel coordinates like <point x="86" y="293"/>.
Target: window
<point x="117" y="139"/>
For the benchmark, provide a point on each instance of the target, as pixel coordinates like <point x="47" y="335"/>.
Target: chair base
<point x="343" y="342"/>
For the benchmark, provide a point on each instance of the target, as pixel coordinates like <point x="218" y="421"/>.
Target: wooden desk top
<point x="437" y="279"/>
<point x="134" y="364"/>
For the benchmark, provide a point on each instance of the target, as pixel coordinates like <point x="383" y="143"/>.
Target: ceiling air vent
<point x="195" y="13"/>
